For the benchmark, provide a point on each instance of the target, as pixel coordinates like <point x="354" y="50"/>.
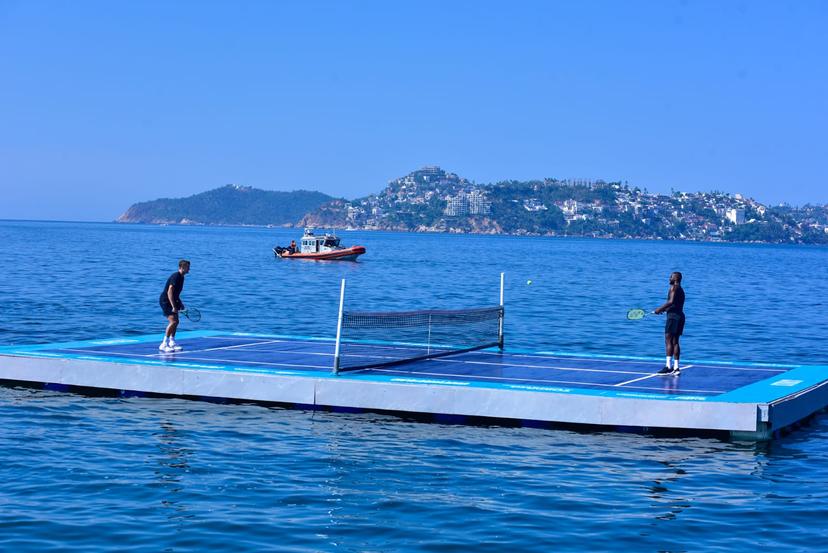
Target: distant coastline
<point x="432" y="200"/>
<point x="340" y="229"/>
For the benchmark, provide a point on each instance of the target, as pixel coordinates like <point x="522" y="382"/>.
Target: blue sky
<point x="103" y="104"/>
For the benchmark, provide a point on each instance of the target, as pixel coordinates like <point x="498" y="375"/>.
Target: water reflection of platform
<point x="746" y="400"/>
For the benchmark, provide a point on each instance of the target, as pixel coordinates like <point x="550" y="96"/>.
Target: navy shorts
<point x="167" y="308"/>
<point x="675" y="324"/>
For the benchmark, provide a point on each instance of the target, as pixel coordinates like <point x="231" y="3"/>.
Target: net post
<point x="500" y="324"/>
<point x="429" y="334"/>
<point x="339" y="326"/>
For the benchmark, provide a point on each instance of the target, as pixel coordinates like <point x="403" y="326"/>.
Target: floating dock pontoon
<point x="742" y="400"/>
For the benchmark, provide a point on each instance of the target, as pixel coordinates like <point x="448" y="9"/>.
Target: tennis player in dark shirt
<point x="171" y="304"/>
<point x="674" y="327"/>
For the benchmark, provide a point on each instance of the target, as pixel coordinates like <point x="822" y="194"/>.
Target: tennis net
<point x="380" y="339"/>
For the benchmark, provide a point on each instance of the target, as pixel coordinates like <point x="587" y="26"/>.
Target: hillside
<point x="433" y="200"/>
<point x="228" y="205"/>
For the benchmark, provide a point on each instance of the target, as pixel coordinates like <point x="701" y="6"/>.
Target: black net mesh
<point x="377" y="339"/>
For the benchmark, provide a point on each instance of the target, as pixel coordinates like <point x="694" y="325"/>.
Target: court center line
<point x="399" y="347"/>
<point x="183" y="357"/>
<point x="188" y="353"/>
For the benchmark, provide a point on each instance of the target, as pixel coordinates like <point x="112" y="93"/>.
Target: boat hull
<point x="345" y="254"/>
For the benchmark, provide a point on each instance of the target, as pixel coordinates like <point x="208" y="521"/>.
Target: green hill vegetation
<point x="228" y="205"/>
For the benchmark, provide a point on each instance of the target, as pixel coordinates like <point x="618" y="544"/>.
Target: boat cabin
<point x="313" y="244"/>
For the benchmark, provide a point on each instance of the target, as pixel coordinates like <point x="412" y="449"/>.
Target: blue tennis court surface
<point x="276" y="354"/>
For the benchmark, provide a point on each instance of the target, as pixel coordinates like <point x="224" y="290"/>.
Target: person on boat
<point x="674" y="327"/>
<point x="171" y="304"/>
<point x="292" y="247"/>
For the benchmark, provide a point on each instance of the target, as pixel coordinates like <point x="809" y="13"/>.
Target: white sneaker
<point x="163" y="346"/>
<point x="175" y="347"/>
<point x="167" y="349"/>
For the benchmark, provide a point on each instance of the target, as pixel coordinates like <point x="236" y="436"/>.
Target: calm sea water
<point x="97" y="474"/>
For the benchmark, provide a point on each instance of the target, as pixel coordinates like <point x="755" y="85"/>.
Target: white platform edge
<point x="347" y="392"/>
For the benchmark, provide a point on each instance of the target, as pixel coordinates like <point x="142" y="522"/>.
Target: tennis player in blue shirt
<point x="171" y="304"/>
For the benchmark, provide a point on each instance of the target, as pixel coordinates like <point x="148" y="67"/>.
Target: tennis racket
<point x="636" y="314"/>
<point x="191" y="313"/>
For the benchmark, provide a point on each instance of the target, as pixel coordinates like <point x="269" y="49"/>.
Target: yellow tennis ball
<point x="528" y="282"/>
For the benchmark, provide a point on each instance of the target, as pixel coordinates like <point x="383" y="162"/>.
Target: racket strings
<point x="635" y="314"/>
<point x="193" y="314"/>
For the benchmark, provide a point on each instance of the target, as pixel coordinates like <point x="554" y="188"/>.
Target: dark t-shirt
<point x="678" y="302"/>
<point x="176" y="280"/>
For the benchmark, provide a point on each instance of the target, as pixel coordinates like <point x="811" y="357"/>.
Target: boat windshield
<point x="331" y="242"/>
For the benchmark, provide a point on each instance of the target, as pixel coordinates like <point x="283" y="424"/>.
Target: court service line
<point x="515" y="365"/>
<point x="260" y="363"/>
<point x="415" y="374"/>
<point x="184" y="357"/>
<point x="641" y="361"/>
<point x="162" y="353"/>
<point x="504" y="365"/>
<point x="572" y="357"/>
<point x="650" y="376"/>
<point x="240" y="338"/>
<point x="231" y="347"/>
<point x="566" y="358"/>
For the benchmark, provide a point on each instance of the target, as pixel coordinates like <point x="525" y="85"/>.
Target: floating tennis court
<point x="448" y="364"/>
<point x="238" y="352"/>
<point x="747" y="400"/>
